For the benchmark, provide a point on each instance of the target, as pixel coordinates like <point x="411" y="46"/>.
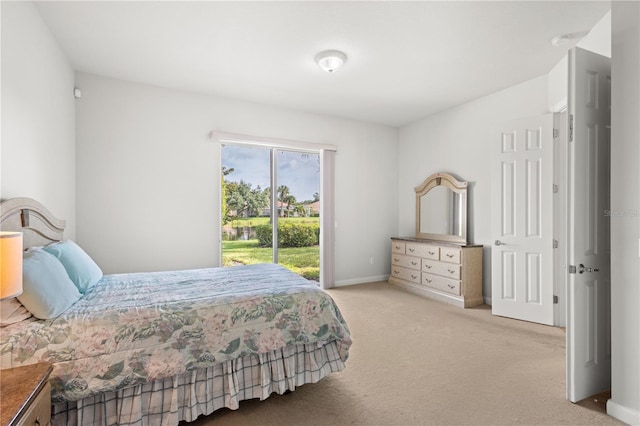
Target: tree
<point x="285" y="198"/>
<point x="283" y="192"/>
<point x="243" y="200"/>
<point x="300" y="210"/>
<point x="223" y="191"/>
<point x="258" y="200"/>
<point x="289" y="200"/>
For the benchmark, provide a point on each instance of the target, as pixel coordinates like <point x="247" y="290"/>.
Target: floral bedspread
<point x="135" y="328"/>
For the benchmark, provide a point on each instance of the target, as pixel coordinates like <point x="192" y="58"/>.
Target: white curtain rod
<point x="271" y="142"/>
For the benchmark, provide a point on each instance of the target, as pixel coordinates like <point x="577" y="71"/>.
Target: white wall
<point x="147" y="194"/>
<point x="458" y="141"/>
<point x="599" y="41"/>
<point x="599" y="38"/>
<point x="38" y="135"/>
<point x="625" y="199"/>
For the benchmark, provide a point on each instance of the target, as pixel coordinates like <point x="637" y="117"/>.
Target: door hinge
<point x="571" y="128"/>
<point x="555" y="243"/>
<point x="556" y="133"/>
<point x="572" y="269"/>
<point x="555" y="188"/>
<point x="555" y="299"/>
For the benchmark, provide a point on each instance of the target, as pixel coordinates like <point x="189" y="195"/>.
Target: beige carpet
<point x="420" y="362"/>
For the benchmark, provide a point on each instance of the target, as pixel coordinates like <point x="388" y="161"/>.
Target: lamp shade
<point x="10" y="264"/>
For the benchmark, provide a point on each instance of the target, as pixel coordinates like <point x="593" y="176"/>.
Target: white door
<point x="588" y="289"/>
<point x="522" y="220"/>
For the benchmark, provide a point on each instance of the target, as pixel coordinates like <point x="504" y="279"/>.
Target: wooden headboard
<point x="35" y="221"/>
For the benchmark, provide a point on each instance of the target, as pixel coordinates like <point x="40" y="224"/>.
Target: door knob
<point x="499" y="243"/>
<point x="582" y="269"/>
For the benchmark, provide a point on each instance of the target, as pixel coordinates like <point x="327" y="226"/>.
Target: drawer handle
<point x="427" y="266"/>
<point x="398" y="247"/>
<point x="449" y="255"/>
<point x="395" y="259"/>
<point x="451" y="271"/>
<point x="414" y="276"/>
<point x="396" y="272"/>
<point x="432" y="253"/>
<point x="451" y="286"/>
<point x="412" y="250"/>
<point x="414" y="263"/>
<point x="428" y="280"/>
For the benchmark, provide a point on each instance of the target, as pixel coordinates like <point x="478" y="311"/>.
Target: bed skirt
<point x="200" y="392"/>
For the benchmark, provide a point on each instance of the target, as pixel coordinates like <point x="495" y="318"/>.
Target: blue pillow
<point x="47" y="290"/>
<point x="82" y="270"/>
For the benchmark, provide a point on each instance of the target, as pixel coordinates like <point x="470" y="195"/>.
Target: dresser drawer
<point x="406" y="261"/>
<point x="405" y="274"/>
<point x="450" y="254"/>
<point x="443" y="269"/>
<point x="398" y="247"/>
<point x="442" y="284"/>
<point x="425" y="251"/>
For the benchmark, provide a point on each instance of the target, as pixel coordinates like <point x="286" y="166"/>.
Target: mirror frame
<point x="455" y="185"/>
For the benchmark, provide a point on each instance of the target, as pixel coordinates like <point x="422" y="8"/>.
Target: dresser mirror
<point x="441" y="209"/>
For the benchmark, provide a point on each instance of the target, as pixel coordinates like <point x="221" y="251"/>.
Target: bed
<point x="159" y="348"/>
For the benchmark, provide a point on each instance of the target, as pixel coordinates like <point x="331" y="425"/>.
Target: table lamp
<point x="10" y="264"/>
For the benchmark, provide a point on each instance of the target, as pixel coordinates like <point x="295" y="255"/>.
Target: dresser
<point x="26" y="395"/>
<point x="448" y="272"/>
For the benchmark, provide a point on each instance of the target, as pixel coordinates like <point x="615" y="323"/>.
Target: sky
<point x="299" y="171"/>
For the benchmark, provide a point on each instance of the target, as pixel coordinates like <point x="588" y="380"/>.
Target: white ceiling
<point x="406" y="60"/>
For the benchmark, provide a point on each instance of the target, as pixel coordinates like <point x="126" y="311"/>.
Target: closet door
<point x="522" y="220"/>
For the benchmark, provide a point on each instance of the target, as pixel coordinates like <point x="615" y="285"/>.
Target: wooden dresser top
<point x="18" y="386"/>
<point x="436" y="242"/>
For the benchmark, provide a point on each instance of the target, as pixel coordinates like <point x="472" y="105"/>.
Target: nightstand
<point x="26" y="395"/>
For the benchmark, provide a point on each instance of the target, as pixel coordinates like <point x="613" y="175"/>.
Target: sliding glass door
<point x="246" y="204"/>
<point x="271" y="208"/>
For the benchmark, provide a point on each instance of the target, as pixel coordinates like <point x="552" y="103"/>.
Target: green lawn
<point x="303" y="261"/>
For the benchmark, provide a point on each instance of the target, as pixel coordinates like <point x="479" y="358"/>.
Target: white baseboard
<point x="624" y="414"/>
<point x="375" y="279"/>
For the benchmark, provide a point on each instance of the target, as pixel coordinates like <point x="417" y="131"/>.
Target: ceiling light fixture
<point x="331" y="60"/>
<point x="563" y="39"/>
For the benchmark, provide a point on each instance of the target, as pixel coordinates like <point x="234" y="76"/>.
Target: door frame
<point x="560" y="229"/>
